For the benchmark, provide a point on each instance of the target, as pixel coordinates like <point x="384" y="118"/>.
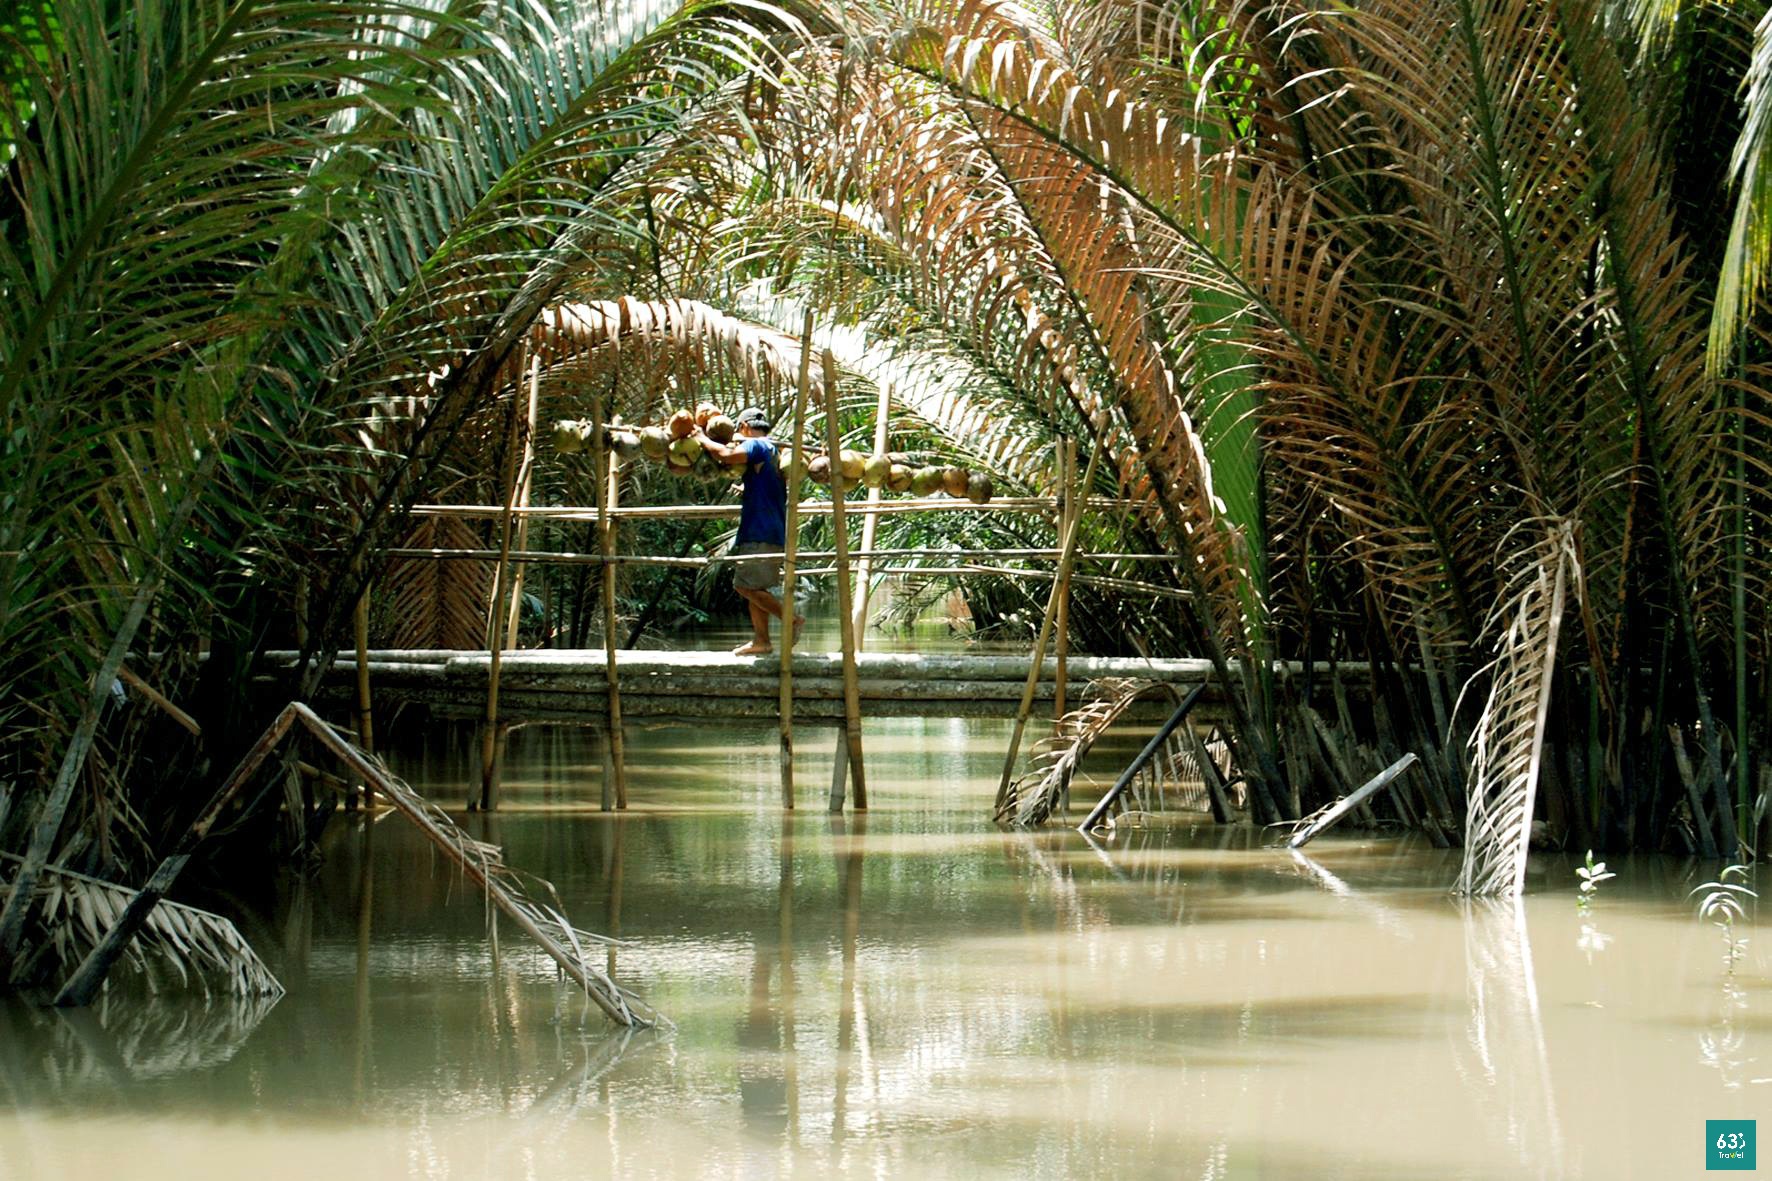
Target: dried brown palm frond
<point x="434" y="603"/>
<point x="682" y="337"/>
<point x="1508" y="744"/>
<point x="178" y="943"/>
<point x="1055" y="758"/>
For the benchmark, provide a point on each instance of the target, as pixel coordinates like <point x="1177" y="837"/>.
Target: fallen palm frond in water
<point x="77" y="910"/>
<point x="1509" y="738"/>
<point x="1033" y="798"/>
<point x="483" y="864"/>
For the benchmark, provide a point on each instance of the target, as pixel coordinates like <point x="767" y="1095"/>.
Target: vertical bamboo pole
<point x="840" y="532"/>
<point x="525" y="481"/>
<point x="796" y="478"/>
<point x="864" y="580"/>
<point x="365" y="710"/>
<point x="496" y="611"/>
<point x="1066" y="560"/>
<point x="610" y="483"/>
<point x="1067" y="475"/>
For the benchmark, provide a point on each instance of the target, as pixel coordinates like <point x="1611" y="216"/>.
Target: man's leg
<point x="759" y="625"/>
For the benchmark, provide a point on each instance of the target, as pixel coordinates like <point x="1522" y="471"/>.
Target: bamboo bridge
<point x="700" y="687"/>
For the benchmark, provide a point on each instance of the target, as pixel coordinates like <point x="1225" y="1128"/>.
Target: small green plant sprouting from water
<point x="1724" y="902"/>
<point x="1591" y="876"/>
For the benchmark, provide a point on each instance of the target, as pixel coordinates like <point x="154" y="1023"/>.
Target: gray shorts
<point x="757" y="573"/>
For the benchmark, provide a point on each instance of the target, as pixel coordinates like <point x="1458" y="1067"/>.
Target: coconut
<point x="875" y="471"/>
<point x="979" y="488"/>
<point x="819" y="470"/>
<point x="706" y="412"/>
<point x="655" y="441"/>
<point x="627" y="444"/>
<point x="953" y="481"/>
<point x="854" y="465"/>
<point x="685" y="451"/>
<point x="679" y="469"/>
<point x="898" y="478"/>
<point x="682" y="424"/>
<point x="720" y="428"/>
<point x="710" y="469"/>
<point x="567" y="439"/>
<point x="925" y="480"/>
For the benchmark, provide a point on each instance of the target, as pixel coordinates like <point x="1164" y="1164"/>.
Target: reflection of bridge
<point x="570" y="684"/>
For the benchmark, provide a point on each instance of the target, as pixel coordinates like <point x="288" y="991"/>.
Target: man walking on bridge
<point x="762" y="522"/>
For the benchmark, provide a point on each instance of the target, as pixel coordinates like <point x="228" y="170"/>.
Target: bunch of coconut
<point x="893" y="472"/>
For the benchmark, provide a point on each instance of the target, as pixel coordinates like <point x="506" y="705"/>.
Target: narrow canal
<point x="907" y="994"/>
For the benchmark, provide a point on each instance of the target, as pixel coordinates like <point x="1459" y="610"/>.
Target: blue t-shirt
<point x="764" y="515"/>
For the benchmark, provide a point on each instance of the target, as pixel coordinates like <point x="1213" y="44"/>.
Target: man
<point x="762" y="522"/>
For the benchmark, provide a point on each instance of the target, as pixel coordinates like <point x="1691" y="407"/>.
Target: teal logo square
<point x="1729" y="1145"/>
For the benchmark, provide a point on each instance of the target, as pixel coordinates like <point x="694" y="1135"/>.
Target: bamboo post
<point x="840" y="533"/>
<point x="1065" y="561"/>
<point x="864" y="579"/>
<point x="610" y="483"/>
<point x="796" y="478"/>
<point x="365" y="708"/>
<point x="1072" y="498"/>
<point x="496" y="612"/>
<point x="525" y="481"/>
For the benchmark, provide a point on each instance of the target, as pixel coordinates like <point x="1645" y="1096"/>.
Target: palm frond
<point x="1508" y="743"/>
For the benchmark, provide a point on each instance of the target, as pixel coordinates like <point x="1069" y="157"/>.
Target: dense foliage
<point x="1421" y="330"/>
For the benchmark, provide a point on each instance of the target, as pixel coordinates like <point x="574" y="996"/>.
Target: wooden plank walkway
<point x="569" y="684"/>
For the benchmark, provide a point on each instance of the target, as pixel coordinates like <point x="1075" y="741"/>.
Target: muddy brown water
<point x="910" y="993"/>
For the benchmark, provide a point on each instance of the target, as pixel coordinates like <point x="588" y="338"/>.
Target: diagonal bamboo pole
<point x="84" y="984"/>
<point x="864" y="580"/>
<point x="840" y="532"/>
<point x="1065" y="562"/>
<point x="796" y="478"/>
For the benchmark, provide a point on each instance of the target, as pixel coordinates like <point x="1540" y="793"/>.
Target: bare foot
<point x="751" y="649"/>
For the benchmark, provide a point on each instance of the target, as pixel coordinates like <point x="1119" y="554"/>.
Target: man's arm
<point x="731" y="456"/>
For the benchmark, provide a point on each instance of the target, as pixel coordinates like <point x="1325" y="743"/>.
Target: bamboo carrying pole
<point x="1065" y="561"/>
<point x="611" y="485"/>
<point x="496" y="609"/>
<point x="840" y="533"/>
<point x="864" y="579"/>
<point x="795" y="477"/>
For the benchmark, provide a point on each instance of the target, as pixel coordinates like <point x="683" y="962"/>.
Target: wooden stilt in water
<point x="496" y="608"/>
<point x="840" y="533"/>
<point x="610" y="483"/>
<point x="864" y="579"/>
<point x="796" y="478"/>
<point x="1071" y="498"/>
<point x="1066" y="560"/>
